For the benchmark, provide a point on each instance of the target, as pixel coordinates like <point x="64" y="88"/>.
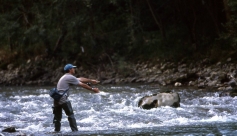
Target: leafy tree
<point x="106" y="32"/>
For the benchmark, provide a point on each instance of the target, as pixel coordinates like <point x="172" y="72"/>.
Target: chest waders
<point x="57" y="111"/>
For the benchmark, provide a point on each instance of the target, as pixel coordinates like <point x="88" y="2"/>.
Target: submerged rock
<point x="231" y="93"/>
<point x="9" y="129"/>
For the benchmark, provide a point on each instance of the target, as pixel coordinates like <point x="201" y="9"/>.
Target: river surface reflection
<point x="114" y="111"/>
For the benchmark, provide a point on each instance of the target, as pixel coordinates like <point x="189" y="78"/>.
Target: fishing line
<point x="104" y="88"/>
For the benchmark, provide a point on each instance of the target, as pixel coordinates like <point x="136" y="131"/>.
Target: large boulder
<point x="160" y="99"/>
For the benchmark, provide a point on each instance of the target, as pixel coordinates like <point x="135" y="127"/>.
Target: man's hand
<point x="95" y="81"/>
<point x="96" y="90"/>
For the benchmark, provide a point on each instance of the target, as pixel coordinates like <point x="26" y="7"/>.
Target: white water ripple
<point x="30" y="111"/>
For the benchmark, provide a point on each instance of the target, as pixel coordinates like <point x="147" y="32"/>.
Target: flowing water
<point x="114" y="111"/>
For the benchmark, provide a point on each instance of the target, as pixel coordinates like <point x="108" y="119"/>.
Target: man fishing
<point x="64" y="104"/>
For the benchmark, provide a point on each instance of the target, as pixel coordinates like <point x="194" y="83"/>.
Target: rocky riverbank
<point x="201" y="74"/>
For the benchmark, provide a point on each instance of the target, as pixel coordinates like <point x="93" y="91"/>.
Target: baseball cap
<point x="69" y="66"/>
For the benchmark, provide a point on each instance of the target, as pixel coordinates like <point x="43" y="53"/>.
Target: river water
<point x="114" y="111"/>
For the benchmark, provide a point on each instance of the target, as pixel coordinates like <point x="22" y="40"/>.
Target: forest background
<point x="116" y="32"/>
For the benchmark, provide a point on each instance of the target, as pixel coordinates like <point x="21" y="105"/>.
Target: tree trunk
<point x="60" y="40"/>
<point x="159" y="23"/>
<point x="227" y="10"/>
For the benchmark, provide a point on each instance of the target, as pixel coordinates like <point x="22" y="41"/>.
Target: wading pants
<point x="57" y="111"/>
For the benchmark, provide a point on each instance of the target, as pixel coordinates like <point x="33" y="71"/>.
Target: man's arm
<point x="87" y="80"/>
<point x="96" y="90"/>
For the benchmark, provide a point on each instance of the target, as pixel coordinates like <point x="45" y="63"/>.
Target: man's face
<point x="72" y="70"/>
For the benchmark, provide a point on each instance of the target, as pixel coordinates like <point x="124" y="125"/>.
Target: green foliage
<point x="97" y="32"/>
<point x="226" y="44"/>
